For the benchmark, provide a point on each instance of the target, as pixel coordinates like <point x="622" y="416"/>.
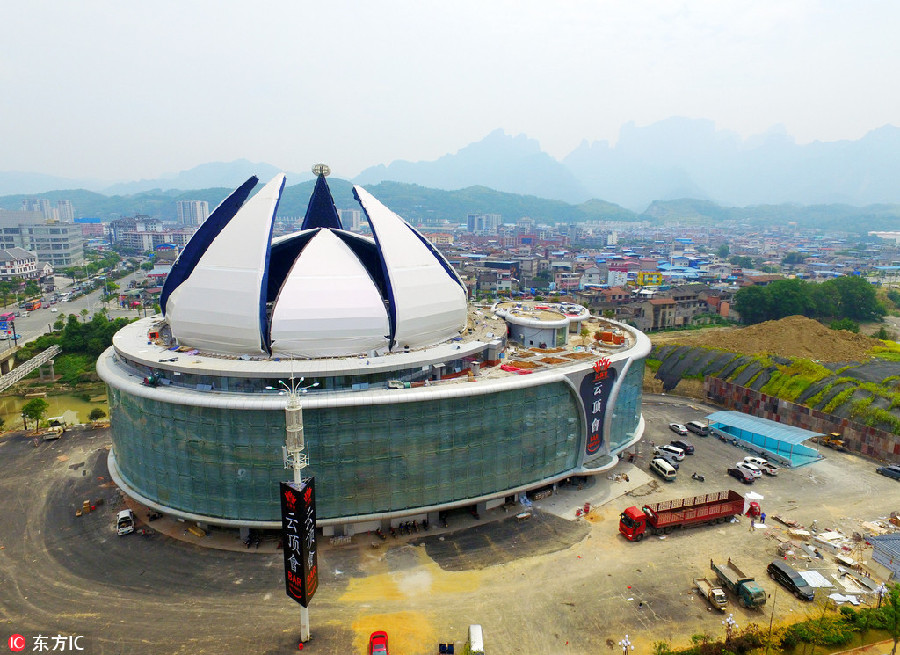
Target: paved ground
<point x="552" y="584"/>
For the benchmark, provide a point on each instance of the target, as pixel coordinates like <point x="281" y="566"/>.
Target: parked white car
<point x="763" y="465"/>
<point x="125" y="522"/>
<point x="674" y="451"/>
<point x="752" y="469"/>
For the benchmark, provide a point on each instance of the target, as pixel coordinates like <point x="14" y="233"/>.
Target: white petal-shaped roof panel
<point x="328" y="306"/>
<point x="221" y="306"/>
<point x="427" y="300"/>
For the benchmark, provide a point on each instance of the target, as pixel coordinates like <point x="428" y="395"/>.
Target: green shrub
<point x="845" y="324"/>
<point x="826" y="631"/>
<point x="860" y="406"/>
<point x="838" y="400"/>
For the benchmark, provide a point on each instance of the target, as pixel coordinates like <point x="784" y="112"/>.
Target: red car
<point x="378" y="643"/>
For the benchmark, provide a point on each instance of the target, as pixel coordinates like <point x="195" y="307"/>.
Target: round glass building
<point x="422" y="403"/>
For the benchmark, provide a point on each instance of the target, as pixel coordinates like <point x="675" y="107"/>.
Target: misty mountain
<point x="205" y="176"/>
<point x="688" y="158"/>
<point x="837" y="217"/>
<point x="412" y="202"/>
<point x="30" y="183"/>
<point x="512" y="164"/>
<point x="215" y="174"/>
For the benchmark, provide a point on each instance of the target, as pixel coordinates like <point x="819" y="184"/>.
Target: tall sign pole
<point x="298" y="510"/>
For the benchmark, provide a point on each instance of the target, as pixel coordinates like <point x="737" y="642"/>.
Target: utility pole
<point x="295" y="456"/>
<point x="769" y="639"/>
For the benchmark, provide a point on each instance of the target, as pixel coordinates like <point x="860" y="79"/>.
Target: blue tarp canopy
<point x="783" y="443"/>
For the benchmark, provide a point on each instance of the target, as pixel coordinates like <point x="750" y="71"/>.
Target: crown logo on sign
<point x="601" y="365"/>
<point x="291" y="499"/>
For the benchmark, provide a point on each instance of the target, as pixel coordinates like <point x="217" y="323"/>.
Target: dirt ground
<point x="794" y="336"/>
<point x="554" y="584"/>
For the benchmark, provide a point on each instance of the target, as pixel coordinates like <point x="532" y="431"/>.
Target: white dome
<point x="321" y="292"/>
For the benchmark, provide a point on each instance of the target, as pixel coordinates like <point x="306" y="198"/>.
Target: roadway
<point x="40" y="321"/>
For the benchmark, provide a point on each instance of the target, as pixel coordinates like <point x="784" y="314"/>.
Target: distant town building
<point x="58" y="244"/>
<point x="192" y="212"/>
<point x="150" y="240"/>
<point x="352" y="219"/>
<point x="439" y="238"/>
<point x="138" y="223"/>
<point x="65" y="211"/>
<point x="483" y="223"/>
<point x="18" y="264"/>
<point x="648" y="279"/>
<point x="91" y="228"/>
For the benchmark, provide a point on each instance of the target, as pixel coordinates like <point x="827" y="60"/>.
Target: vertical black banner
<point x="594" y="392"/>
<point x="298" y="536"/>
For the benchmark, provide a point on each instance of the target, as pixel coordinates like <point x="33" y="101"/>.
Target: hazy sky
<point x="126" y="90"/>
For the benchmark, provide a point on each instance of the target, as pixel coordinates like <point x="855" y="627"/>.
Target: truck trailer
<point x="744" y="587"/>
<point x="663" y="517"/>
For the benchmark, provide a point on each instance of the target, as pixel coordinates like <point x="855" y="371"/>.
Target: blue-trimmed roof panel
<point x="203" y="237"/>
<point x="763" y="426"/>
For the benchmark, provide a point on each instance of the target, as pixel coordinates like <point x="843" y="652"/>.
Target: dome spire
<point x="321" y="211"/>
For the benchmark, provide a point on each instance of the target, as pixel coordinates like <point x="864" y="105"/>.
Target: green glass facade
<point x="627" y="407"/>
<point x="367" y="459"/>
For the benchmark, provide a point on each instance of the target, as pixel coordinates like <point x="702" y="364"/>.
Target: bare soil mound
<point x="794" y="336"/>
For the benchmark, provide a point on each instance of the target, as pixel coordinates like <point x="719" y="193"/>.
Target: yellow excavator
<point x="834" y="441"/>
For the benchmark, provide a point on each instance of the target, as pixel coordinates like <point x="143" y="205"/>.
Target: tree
<point x="858" y="299"/>
<point x="723" y="251"/>
<point x="35" y="410"/>
<point x="788" y="298"/>
<point x="792" y="258"/>
<point x="84" y="312"/>
<point x="96" y="414"/>
<point x="753" y="304"/>
<point x="147" y="266"/>
<point x="825" y="300"/>
<point x="890" y="610"/>
<point x="743" y="262"/>
<point x="6" y="290"/>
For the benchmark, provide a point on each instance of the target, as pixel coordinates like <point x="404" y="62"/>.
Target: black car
<point x="892" y="471"/>
<point x="790" y="580"/>
<point x="741" y="475"/>
<point x="686" y="446"/>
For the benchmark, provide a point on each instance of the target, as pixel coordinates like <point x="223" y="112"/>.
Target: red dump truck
<point x="661" y="518"/>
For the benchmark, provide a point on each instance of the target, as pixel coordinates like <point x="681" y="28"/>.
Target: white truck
<point x="475" y="642"/>
<point x="713" y="593"/>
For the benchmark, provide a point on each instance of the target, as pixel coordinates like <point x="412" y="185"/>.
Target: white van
<point x="697" y="428"/>
<point x="475" y="644"/>
<point x="663" y="469"/>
